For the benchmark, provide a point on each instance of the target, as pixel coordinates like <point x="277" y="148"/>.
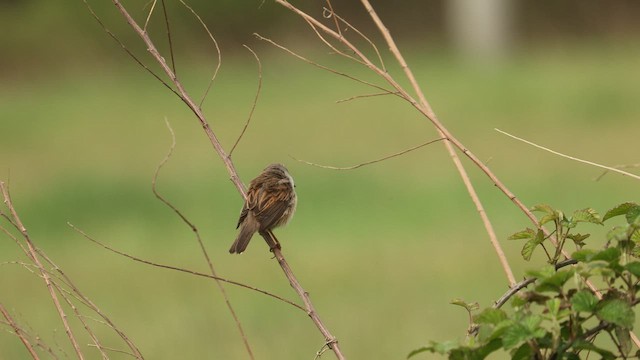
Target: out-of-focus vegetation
<point x="381" y="249"/>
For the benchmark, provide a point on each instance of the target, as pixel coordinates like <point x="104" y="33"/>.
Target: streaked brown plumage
<point x="271" y="202"/>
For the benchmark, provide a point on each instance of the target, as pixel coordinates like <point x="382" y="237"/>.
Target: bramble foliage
<point x="560" y="316"/>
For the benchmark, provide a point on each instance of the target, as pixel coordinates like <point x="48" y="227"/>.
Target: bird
<point x="271" y="202"/>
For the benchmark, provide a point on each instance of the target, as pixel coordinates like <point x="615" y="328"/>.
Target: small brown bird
<point x="271" y="202"/>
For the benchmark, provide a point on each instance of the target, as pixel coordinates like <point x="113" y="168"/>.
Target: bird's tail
<point x="247" y="229"/>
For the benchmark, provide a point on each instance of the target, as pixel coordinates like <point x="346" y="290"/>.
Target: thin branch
<point x="215" y="45"/>
<point x="255" y="100"/>
<point x="623" y="166"/>
<point x="365" y="96"/>
<point x="19" y="333"/>
<point x="327" y="13"/>
<point x="87" y="302"/>
<point x="153" y="7"/>
<point x="369" y="162"/>
<point x="300" y="57"/>
<point x="34" y="257"/>
<point x="199" y="239"/>
<point x="122" y="45"/>
<point x="375" y="48"/>
<point x="187" y="271"/>
<point x="608" y="168"/>
<point x="166" y="22"/>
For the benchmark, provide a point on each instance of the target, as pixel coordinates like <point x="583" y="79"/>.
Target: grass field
<point x="381" y="249"/>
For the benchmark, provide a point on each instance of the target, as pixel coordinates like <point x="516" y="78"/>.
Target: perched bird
<point x="271" y="202"/>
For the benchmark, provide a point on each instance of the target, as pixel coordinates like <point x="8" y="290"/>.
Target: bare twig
<point x="622" y="166"/>
<point x="36" y="260"/>
<point x="364" y="96"/>
<point x="215" y="45"/>
<point x="357" y="31"/>
<point x="166" y="22"/>
<point x="199" y="239"/>
<point x="371" y="161"/>
<point x="187" y="271"/>
<point x="75" y="291"/>
<point x="255" y="99"/>
<point x="607" y="168"/>
<point x="260" y="37"/>
<point x="135" y="58"/>
<point x="19" y="333"/>
<point x="146" y="21"/>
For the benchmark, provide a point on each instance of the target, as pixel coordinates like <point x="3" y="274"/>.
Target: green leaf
<point x="621" y="209"/>
<point x="578" y="239"/>
<point x="527" y="233"/>
<point x="624" y="339"/>
<point x="609" y="255"/>
<point x="584" y="255"/>
<point x="529" y="246"/>
<point x="584" y="301"/>
<point x="469" y="306"/>
<point x="586" y="215"/>
<point x="490" y="316"/>
<point x="616" y="311"/>
<point x="543" y="208"/>
<point x="632" y="215"/>
<point x="524" y="352"/>
<point x="618" y="233"/>
<point x="526" y="329"/>
<point x="556" y="282"/>
<point x="634" y="268"/>
<point x="581" y="344"/>
<point x="436" y="347"/>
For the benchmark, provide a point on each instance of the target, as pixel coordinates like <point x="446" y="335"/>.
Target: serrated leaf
<point x="583" y="255"/>
<point x="555" y="282"/>
<point x="634" y="268"/>
<point x="618" y="233"/>
<point x="530" y="245"/>
<point x="527" y="233"/>
<point x="419" y="351"/>
<point x="547" y="218"/>
<point x="586" y="215"/>
<point x="543" y="208"/>
<point x="580" y="344"/>
<point x="578" y="239"/>
<point x="632" y="215"/>
<point x="621" y="209"/>
<point x="490" y="316"/>
<point x="609" y="255"/>
<point x="469" y="306"/>
<point x="624" y="339"/>
<point x="616" y="311"/>
<point x="523" y="352"/>
<point x="584" y="301"/>
<point x="435" y="347"/>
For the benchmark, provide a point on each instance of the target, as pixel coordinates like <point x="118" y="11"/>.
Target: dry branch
<point x="19" y="333"/>
<point x="607" y="168"/>
<point x="199" y="239"/>
<point x="33" y="255"/>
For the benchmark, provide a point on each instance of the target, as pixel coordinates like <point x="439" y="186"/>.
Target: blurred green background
<point x="381" y="249"/>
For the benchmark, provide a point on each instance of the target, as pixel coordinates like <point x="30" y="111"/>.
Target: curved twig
<point x="368" y="162"/>
<point x="607" y="168"/>
<point x="187" y="271"/>
<point x="19" y="333"/>
<point x="199" y="239"/>
<point x="45" y="276"/>
<point x="255" y="100"/>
